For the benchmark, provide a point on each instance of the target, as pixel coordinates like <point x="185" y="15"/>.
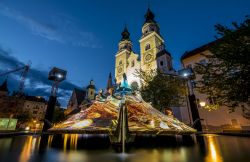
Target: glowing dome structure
<point x="103" y="115"/>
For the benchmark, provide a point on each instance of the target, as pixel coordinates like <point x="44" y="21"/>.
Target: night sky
<point x="81" y="36"/>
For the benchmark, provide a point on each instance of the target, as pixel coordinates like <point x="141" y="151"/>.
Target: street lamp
<point x="202" y="104"/>
<point x="56" y="75"/>
<point x="189" y="75"/>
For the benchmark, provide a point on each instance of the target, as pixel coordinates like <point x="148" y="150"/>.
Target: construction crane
<point x="25" y="69"/>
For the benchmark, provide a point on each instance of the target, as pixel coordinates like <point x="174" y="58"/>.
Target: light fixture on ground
<point x="189" y="75"/>
<point x="56" y="75"/>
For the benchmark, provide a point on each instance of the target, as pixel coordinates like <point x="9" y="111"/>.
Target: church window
<point x="147" y="47"/>
<point x="133" y="63"/>
<point x="120" y="62"/>
<point x="161" y="63"/>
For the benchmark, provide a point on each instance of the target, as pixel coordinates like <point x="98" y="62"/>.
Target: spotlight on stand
<point x="186" y="73"/>
<point x="189" y="75"/>
<point x="56" y="75"/>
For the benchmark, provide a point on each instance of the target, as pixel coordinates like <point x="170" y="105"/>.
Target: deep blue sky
<point x="81" y="36"/>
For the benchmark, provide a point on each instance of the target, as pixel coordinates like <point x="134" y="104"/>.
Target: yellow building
<point x="153" y="54"/>
<point x="219" y="119"/>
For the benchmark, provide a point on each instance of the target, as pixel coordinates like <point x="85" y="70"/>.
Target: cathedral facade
<point x="153" y="54"/>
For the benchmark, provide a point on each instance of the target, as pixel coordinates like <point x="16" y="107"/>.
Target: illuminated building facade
<point x="153" y="54"/>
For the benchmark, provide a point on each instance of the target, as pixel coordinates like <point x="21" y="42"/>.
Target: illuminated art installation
<point x="102" y="116"/>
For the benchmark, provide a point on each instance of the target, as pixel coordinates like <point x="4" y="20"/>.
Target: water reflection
<point x="29" y="147"/>
<point x="74" y="147"/>
<point x="214" y="154"/>
<point x="72" y="138"/>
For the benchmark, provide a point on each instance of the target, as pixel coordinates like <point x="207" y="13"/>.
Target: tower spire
<point x="109" y="83"/>
<point x="149" y="16"/>
<point x="125" y="34"/>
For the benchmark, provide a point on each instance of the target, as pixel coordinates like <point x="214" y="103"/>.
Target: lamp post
<point x="56" y="75"/>
<point x="189" y="75"/>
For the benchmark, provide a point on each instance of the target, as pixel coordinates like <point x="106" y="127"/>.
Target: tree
<point x="162" y="90"/>
<point x="225" y="78"/>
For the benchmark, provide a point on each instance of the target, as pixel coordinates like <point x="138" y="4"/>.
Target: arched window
<point x="120" y="62"/>
<point x="133" y="63"/>
<point x="161" y="63"/>
<point x="147" y="47"/>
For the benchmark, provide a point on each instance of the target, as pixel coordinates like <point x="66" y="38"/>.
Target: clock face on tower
<point x="120" y="70"/>
<point x="148" y="57"/>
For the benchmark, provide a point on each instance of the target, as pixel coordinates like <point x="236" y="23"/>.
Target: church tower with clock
<point x="153" y="54"/>
<point x="126" y="60"/>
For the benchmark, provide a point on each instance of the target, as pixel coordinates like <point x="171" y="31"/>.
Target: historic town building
<point x="14" y="106"/>
<point x="153" y="54"/>
<point x="215" y="120"/>
<point x="81" y="98"/>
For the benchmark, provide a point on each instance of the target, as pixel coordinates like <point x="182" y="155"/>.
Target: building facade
<point x="153" y="54"/>
<point x="219" y="119"/>
<point x="81" y="99"/>
<point x="14" y="106"/>
<point x="35" y="106"/>
<point x="10" y="106"/>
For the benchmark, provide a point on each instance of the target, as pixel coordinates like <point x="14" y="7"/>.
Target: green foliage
<point x="161" y="90"/>
<point x="225" y="78"/>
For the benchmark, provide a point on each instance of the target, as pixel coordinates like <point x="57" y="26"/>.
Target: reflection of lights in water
<point x="50" y="140"/>
<point x="65" y="139"/>
<point x="176" y="155"/>
<point x="83" y="124"/>
<point x="28" y="148"/>
<point x="213" y="150"/>
<point x="72" y="139"/>
<point x="26" y="151"/>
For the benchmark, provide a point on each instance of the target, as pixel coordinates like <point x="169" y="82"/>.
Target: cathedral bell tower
<point x="151" y="42"/>
<point x="124" y="51"/>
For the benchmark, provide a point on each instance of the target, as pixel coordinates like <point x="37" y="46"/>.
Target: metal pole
<point x="193" y="107"/>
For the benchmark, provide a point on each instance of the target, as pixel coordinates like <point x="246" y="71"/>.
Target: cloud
<point x="36" y="82"/>
<point x="60" y="28"/>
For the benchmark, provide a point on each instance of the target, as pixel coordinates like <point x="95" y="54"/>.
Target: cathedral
<point x="153" y="54"/>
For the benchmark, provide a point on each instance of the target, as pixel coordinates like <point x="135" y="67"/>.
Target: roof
<point x="125" y="34"/>
<point x="200" y="49"/>
<point x="80" y="95"/>
<point x="149" y="16"/>
<point x="35" y="98"/>
<point x="162" y="52"/>
<point x="4" y="86"/>
<point x="91" y="86"/>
